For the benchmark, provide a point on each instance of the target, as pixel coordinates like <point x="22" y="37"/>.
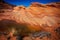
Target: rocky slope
<point x="36" y="17"/>
<point x="38" y="14"/>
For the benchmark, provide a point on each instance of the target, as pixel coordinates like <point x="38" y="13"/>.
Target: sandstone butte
<point x="36" y="17"/>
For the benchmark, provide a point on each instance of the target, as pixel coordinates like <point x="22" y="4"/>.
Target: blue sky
<point x="28" y="2"/>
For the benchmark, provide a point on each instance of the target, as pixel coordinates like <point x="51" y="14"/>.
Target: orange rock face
<point x="38" y="14"/>
<point x="36" y="17"/>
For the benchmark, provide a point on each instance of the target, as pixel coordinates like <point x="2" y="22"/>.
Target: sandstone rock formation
<point x="36" y="17"/>
<point x="5" y="6"/>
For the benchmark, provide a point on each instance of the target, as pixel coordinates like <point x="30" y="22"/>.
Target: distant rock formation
<point x="5" y="6"/>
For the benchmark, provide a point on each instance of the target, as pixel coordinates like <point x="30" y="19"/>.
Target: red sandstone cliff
<point x="5" y="6"/>
<point x="36" y="17"/>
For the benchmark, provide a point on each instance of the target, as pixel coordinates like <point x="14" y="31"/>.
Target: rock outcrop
<point x="36" y="17"/>
<point x="5" y="6"/>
